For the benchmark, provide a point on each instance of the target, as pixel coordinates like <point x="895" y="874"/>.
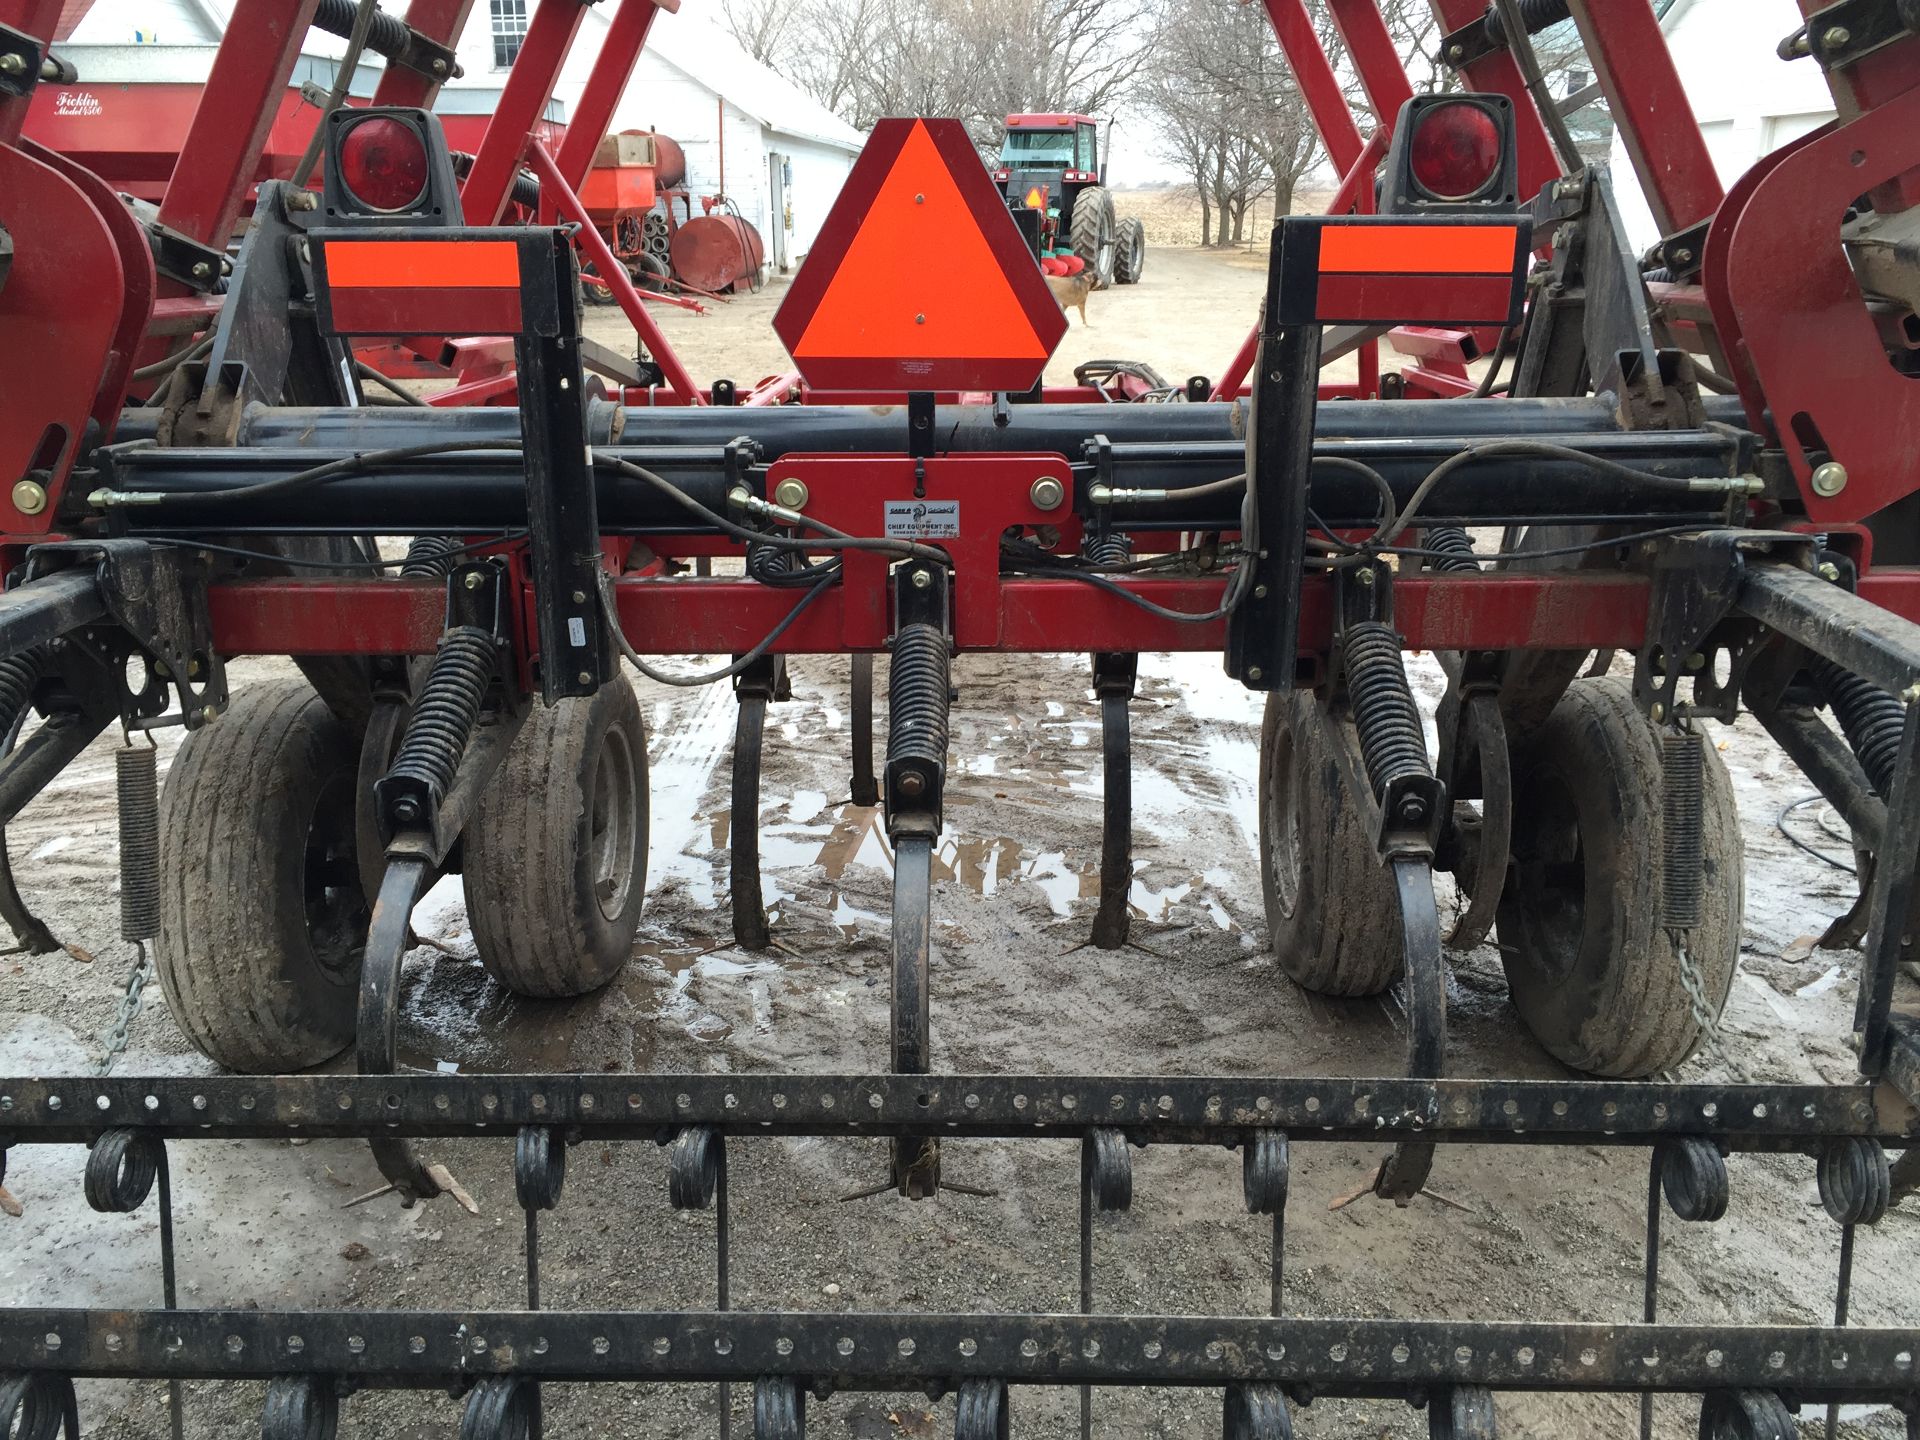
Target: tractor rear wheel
<point x="1131" y="259"/>
<point x="1094" y="233"/>
<point x="556" y="855"/>
<point x="1333" y="919"/>
<point x="1595" y="976"/>
<point x="262" y="917"/>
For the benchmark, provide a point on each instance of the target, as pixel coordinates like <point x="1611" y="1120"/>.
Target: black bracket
<point x="563" y="517"/>
<point x="198" y="266"/>
<point x="1852" y="29"/>
<point x="1262" y="634"/>
<point x="158" y="595"/>
<point x="920" y="411"/>
<point x="20" y="57"/>
<point x="1696" y="583"/>
<point x="1683" y="251"/>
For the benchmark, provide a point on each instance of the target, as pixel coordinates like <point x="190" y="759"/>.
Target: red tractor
<point x="1051" y="163"/>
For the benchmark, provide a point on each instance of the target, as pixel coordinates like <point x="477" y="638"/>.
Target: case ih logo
<point x="76" y="102"/>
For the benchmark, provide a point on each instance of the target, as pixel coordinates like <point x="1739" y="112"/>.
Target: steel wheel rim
<point x="1283" y="840"/>
<point x="612" y="825"/>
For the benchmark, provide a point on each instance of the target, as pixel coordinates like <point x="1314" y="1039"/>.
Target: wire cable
<point x="1780" y="824"/>
<point x="687" y="682"/>
<point x="350" y="566"/>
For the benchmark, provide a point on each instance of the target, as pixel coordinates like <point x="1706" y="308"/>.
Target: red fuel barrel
<point x="714" y="251"/>
<point x="669" y="160"/>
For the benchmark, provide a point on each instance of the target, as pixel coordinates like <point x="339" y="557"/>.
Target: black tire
<point x="1333" y="918"/>
<point x="556" y="853"/>
<point x="1130" y="261"/>
<point x="1593" y="973"/>
<point x="1094" y="234"/>
<point x="262" y="917"/>
<point x="592" y="293"/>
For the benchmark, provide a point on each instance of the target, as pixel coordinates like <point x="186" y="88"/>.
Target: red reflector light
<point x="1455" y="151"/>
<point x="1001" y="175"/>
<point x="383" y="163"/>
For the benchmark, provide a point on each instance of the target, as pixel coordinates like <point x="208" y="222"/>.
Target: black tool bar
<point x="1199" y="1110"/>
<point x="903" y="1351"/>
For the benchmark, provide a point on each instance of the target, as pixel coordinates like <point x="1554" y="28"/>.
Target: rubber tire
<point x="237" y="956"/>
<point x="1333" y="916"/>
<point x="537" y="920"/>
<point x="1130" y="253"/>
<point x="1611" y="1002"/>
<point x="1092" y="226"/>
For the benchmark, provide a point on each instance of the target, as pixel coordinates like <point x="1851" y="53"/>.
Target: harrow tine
<point x="866" y="790"/>
<point x="754" y="688"/>
<point x="1856" y="1186"/>
<point x="1403" y="1174"/>
<point x="1106" y="1183"/>
<point x="124" y="1166"/>
<point x="697" y="1179"/>
<point x="1691" y="1174"/>
<point x="1264" y="1167"/>
<point x="916" y="1159"/>
<point x="1113" y="682"/>
<point x="539" y="1174"/>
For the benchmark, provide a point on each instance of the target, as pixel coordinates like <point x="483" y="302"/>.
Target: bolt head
<point x="791" y="493"/>
<point x="1696" y="661"/>
<point x="579" y="597"/>
<point x="1911" y="695"/>
<point x="474" y="580"/>
<point x="913" y="783"/>
<point x="439" y="67"/>
<point x="13" y="64"/>
<point x="1828" y="571"/>
<point x="1047" y="493"/>
<point x="1683" y="256"/>
<point x="1413" y="811"/>
<point x="586" y="677"/>
<point x="201" y="270"/>
<point x="209" y="714"/>
<point x="1254" y="672"/>
<point x="406" y="811"/>
<point x="1455" y="52"/>
<point x="1837" y="36"/>
<point x="919" y="319"/>
<point x="1658" y="712"/>
<point x="1260" y="592"/>
<point x="1365" y="575"/>
<point x="1829" y="479"/>
<point x="29" y="497"/>
<point x="921" y="579"/>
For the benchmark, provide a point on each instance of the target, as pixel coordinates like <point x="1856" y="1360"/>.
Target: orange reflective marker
<point x="920" y="280"/>
<point x="436" y="264"/>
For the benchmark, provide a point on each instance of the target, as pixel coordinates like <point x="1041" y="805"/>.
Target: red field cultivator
<point x="1703" y="458"/>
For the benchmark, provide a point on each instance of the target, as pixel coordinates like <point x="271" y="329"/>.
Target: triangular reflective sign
<point x="919" y="279"/>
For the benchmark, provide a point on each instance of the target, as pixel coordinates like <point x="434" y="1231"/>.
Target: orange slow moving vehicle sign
<point x="919" y="279"/>
<point x="1398" y="270"/>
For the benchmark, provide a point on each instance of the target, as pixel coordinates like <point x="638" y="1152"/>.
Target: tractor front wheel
<point x="556" y="854"/>
<point x="1094" y="234"/>
<point x="1333" y="918"/>
<point x="1600" y="982"/>
<point x="262" y="917"/>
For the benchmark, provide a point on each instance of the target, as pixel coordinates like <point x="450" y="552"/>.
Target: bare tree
<point x="766" y="29"/>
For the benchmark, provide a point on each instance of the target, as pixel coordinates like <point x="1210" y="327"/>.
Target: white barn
<point x="1749" y="101"/>
<point x="783" y="156"/>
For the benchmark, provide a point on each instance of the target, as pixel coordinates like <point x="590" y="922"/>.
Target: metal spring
<point x="18" y="675"/>
<point x="1454" y="549"/>
<point x="1682" y="845"/>
<point x="448" y="705"/>
<point x="136" y="779"/>
<point x="1107" y="547"/>
<point x="1536" y="15"/>
<point x="430" y="557"/>
<point x="1391" y="740"/>
<point x="1872" y="719"/>
<point x="386" y="36"/>
<point x="917" y="697"/>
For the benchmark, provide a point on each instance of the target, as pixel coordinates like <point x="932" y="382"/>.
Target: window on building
<point x="509" y="21"/>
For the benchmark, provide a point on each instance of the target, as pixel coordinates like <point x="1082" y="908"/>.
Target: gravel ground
<point x="1547" y="1232"/>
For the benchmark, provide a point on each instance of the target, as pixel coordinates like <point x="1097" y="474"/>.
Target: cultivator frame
<point x="1727" y="540"/>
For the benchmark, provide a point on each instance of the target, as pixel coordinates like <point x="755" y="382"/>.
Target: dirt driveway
<point x="1542" y="1232"/>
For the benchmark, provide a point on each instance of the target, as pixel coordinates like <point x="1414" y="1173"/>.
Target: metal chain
<point x="1696" y="989"/>
<point x="114" y="1037"/>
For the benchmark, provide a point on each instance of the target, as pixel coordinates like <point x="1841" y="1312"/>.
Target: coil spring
<point x="1682" y="843"/>
<point x="430" y="557"/>
<point x="136" y="780"/>
<point x="1107" y="547"/>
<point x="1455" y="550"/>
<point x="18" y="675"/>
<point x="1536" y="15"/>
<point x="443" y="716"/>
<point x="385" y="36"/>
<point x="1872" y="719"/>
<point x="1391" y="740"/>
<point x="919" y="684"/>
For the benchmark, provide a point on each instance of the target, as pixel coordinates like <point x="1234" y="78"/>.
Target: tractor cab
<point x="1051" y="164"/>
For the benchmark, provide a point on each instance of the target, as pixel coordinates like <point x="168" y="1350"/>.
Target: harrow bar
<point x="1193" y="1110"/>
<point x="399" y="1348"/>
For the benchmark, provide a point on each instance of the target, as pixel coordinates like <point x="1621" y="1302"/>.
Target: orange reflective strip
<point x="1418" y="249"/>
<point x="429" y="264"/>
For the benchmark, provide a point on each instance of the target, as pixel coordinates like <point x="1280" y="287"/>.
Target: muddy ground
<point x="1545" y="1232"/>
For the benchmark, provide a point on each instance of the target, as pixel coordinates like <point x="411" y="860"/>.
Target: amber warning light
<point x="870" y="311"/>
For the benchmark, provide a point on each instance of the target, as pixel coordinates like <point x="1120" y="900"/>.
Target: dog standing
<point x="1071" y="291"/>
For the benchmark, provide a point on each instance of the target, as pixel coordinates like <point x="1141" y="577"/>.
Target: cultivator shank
<point x="1703" y="460"/>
